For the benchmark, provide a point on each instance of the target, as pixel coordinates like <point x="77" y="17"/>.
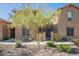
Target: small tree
<point x="55" y="19"/>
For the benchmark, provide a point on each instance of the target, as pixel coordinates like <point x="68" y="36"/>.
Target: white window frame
<point x="70" y="15"/>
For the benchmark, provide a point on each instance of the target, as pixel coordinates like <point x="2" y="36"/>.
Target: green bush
<point x="1" y="48"/>
<point x="18" y="43"/>
<point x="49" y="44"/>
<point x="56" y="38"/>
<point x="38" y="42"/>
<point x="6" y="38"/>
<point x="75" y="41"/>
<point x="63" y="48"/>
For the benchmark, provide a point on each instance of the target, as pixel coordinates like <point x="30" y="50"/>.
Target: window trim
<point x="70" y="32"/>
<point x="71" y="15"/>
<point x="25" y="32"/>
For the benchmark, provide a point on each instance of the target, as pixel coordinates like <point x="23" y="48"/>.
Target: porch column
<point x="18" y="32"/>
<point x="52" y="34"/>
<point x="9" y="32"/>
<point x="44" y="33"/>
<point x="41" y="36"/>
<point x="1" y="35"/>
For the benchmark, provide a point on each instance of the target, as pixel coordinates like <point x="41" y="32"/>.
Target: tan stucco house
<point x="65" y="24"/>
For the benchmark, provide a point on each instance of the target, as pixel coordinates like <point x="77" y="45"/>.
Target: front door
<point x="48" y="35"/>
<point x="12" y="33"/>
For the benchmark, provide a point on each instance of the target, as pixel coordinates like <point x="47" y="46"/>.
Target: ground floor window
<point x="25" y="32"/>
<point x="70" y="31"/>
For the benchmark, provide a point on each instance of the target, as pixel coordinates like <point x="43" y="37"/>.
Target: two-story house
<point x="65" y="24"/>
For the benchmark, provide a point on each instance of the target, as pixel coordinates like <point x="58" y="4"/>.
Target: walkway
<point x="34" y="43"/>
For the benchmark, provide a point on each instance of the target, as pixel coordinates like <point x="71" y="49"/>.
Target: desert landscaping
<point x="31" y="31"/>
<point x="35" y="50"/>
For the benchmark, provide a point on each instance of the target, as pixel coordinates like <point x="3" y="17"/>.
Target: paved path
<point x="31" y="43"/>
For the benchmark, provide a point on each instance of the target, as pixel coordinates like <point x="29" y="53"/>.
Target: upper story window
<point x="70" y="15"/>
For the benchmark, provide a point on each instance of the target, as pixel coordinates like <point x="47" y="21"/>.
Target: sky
<point x="5" y="8"/>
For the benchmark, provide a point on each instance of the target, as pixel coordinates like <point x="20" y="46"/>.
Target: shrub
<point x="49" y="44"/>
<point x="1" y="48"/>
<point x="64" y="48"/>
<point x="6" y="38"/>
<point x="56" y="38"/>
<point x="64" y="39"/>
<point x="38" y="42"/>
<point x="75" y="41"/>
<point x="30" y="38"/>
<point x="18" y="43"/>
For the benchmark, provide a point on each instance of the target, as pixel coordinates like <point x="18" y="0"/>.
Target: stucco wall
<point x="4" y="29"/>
<point x="18" y="32"/>
<point x="64" y="23"/>
<point x="41" y="36"/>
<point x="1" y="37"/>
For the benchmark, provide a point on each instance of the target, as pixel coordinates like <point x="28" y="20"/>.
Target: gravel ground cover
<point x="33" y="50"/>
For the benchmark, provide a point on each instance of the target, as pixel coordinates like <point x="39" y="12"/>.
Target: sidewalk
<point x="34" y="43"/>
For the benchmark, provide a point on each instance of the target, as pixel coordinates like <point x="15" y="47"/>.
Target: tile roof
<point x="4" y="20"/>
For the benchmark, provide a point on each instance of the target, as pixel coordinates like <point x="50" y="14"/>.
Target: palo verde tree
<point x="32" y="18"/>
<point x="54" y="21"/>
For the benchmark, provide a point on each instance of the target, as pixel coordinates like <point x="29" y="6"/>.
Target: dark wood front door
<point x="12" y="33"/>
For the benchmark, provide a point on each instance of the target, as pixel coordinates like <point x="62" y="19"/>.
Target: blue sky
<point x="5" y="8"/>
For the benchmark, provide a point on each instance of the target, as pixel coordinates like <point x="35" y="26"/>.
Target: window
<point x="70" y="32"/>
<point x="70" y="15"/>
<point x="25" y="32"/>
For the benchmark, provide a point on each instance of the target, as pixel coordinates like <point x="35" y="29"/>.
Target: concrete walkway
<point x="34" y="43"/>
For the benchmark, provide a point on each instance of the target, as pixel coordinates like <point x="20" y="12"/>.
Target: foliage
<point x="38" y="42"/>
<point x="56" y="38"/>
<point x="75" y="41"/>
<point x="32" y="18"/>
<point x="49" y="44"/>
<point x="55" y="17"/>
<point x="1" y="48"/>
<point x="30" y="38"/>
<point x="64" y="48"/>
<point x="18" y="43"/>
<point x="6" y="38"/>
<point x="64" y="39"/>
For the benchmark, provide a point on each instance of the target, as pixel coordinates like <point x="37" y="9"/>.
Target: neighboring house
<point x="4" y="30"/>
<point x="65" y="24"/>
